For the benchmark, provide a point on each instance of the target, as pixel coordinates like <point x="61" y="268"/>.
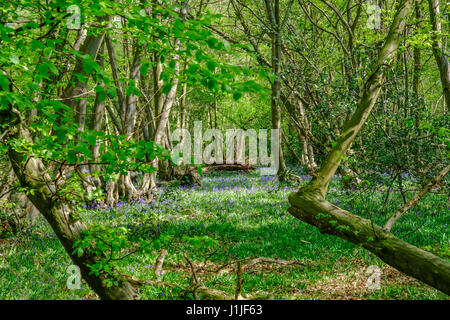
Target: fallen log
<point x="330" y="219"/>
<point x="228" y="167"/>
<point x="188" y="175"/>
<point x="246" y="166"/>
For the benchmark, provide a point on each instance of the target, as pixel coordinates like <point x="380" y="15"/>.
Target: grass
<point x="247" y="215"/>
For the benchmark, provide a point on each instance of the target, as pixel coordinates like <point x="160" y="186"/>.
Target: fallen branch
<point x="160" y="261"/>
<point x="254" y="261"/>
<point x="270" y="260"/>
<point x="212" y="294"/>
<point x="194" y="275"/>
<point x="204" y="293"/>
<point x="311" y="208"/>
<point x="238" y="296"/>
<point x="228" y="167"/>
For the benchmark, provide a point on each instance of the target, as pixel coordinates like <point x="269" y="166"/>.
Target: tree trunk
<point x="417" y="70"/>
<point x="116" y="75"/>
<point x="439" y="50"/>
<point x="96" y="125"/>
<point x="308" y="152"/>
<point x="32" y="175"/>
<point x="163" y="108"/>
<point x="273" y="13"/>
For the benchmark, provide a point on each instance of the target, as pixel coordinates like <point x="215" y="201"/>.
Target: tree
<point x="439" y="50"/>
<point x="309" y="203"/>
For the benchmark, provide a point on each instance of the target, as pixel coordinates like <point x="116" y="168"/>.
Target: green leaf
<point x="71" y="156"/>
<point x="91" y="139"/>
<point x="211" y="65"/>
<point x="4" y="82"/>
<point x="237" y="95"/>
<point x="80" y="77"/>
<point x="47" y="52"/>
<point x="61" y="135"/>
<point x="144" y="68"/>
<point x="88" y="66"/>
<point x="52" y="68"/>
<point x="166" y="88"/>
<point x="101" y="93"/>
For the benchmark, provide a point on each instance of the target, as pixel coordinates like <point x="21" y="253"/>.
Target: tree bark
<point x="96" y="125"/>
<point x="32" y="175"/>
<point x="116" y="75"/>
<point x="273" y="13"/>
<point x="439" y="50"/>
<point x="149" y="182"/>
<point x="417" y="69"/>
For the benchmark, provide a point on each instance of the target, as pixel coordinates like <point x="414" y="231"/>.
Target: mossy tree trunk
<point x="32" y="175"/>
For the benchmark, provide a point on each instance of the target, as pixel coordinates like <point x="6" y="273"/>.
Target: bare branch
<point x="414" y="200"/>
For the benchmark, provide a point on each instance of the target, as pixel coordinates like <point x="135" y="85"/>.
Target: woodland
<point x="115" y="184"/>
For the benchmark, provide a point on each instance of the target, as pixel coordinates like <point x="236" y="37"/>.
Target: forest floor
<point x="246" y="214"/>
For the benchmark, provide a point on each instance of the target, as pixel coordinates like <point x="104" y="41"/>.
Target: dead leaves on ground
<point x="353" y="284"/>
